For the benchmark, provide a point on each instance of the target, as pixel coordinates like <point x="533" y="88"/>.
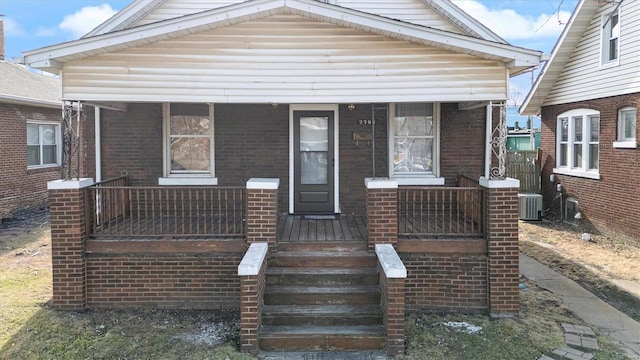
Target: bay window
<point x="578" y="143"/>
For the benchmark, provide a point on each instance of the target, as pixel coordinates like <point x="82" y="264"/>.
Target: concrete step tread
<point x="321" y="310"/>
<point x="355" y="330"/>
<point x="347" y="289"/>
<point x="323" y="253"/>
<point x="321" y="271"/>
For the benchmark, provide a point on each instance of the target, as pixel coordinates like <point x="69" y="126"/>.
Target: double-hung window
<point x="188" y="144"/>
<point x="578" y="143"/>
<point x="414" y="144"/>
<point x="626" y="128"/>
<point x="610" y="51"/>
<point x="43" y="144"/>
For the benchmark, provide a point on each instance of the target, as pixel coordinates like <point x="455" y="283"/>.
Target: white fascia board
<point x="449" y="10"/>
<point x="156" y="31"/>
<point x="30" y="102"/>
<point x="126" y="16"/>
<point x="552" y="68"/>
<point x="417" y="33"/>
<point x="310" y="8"/>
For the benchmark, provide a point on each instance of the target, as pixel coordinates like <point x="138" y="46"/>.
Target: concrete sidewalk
<point x="587" y="306"/>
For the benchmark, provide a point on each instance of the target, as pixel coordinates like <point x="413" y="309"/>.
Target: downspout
<point x="97" y="138"/>
<point x="487" y="151"/>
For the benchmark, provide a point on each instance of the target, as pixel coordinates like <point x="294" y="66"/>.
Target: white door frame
<point x="336" y="168"/>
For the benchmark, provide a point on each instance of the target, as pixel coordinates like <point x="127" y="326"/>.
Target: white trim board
<point x="336" y="145"/>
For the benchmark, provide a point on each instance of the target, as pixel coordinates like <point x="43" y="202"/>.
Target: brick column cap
<point x="499" y="184"/>
<point x="69" y="184"/>
<point x="253" y="259"/>
<point x="380" y="183"/>
<point x="263" y="184"/>
<point x="390" y="262"/>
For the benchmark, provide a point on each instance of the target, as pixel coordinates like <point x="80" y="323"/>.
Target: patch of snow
<point x="208" y="334"/>
<point x="464" y="326"/>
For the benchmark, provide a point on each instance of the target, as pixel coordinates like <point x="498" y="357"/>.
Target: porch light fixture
<point x="351" y="107"/>
<point x="275" y="105"/>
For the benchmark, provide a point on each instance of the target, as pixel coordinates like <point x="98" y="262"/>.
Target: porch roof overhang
<point x="561" y="54"/>
<point x="53" y="58"/>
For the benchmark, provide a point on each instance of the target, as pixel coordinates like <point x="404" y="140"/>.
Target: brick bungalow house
<point x="30" y="138"/>
<point x="588" y="95"/>
<point x="328" y="163"/>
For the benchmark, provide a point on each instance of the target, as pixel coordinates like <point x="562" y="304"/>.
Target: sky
<point x="532" y="24"/>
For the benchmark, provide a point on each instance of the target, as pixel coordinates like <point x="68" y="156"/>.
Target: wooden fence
<point x="525" y="166"/>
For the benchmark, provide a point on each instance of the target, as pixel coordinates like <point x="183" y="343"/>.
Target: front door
<point x="313" y="162"/>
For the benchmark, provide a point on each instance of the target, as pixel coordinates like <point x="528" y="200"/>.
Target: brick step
<point x="311" y="295"/>
<point x="322" y="338"/>
<point x="324" y="259"/>
<point x="321" y="277"/>
<point x="342" y="246"/>
<point x="322" y="315"/>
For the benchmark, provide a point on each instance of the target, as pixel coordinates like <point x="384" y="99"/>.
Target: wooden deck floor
<point x="292" y="228"/>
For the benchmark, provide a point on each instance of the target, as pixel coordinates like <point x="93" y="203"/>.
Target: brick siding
<point x="251" y="306"/>
<point x="21" y="188"/>
<point x="393" y="309"/>
<point x="163" y="281"/>
<point x="445" y="283"/>
<point x="609" y="205"/>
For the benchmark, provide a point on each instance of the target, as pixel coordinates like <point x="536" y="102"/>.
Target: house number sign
<point x="365" y="122"/>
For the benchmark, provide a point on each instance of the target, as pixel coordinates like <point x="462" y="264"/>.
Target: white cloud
<point x="86" y="19"/>
<point x="510" y="25"/>
<point x="12" y="28"/>
<point x="46" y="32"/>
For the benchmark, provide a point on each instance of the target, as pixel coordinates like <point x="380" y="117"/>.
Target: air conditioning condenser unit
<point x="530" y="206"/>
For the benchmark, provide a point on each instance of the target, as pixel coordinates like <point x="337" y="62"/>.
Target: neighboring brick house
<point x="30" y="140"/>
<point x="326" y="130"/>
<point x="588" y="95"/>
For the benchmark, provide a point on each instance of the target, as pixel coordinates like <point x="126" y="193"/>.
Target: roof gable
<point x="49" y="58"/>
<point x="444" y="15"/>
<point x="561" y="54"/>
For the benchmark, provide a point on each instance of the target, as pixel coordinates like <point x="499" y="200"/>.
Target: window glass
<point x="610" y="37"/>
<point x="413" y="139"/>
<point x="627" y="124"/>
<point x="42" y="144"/>
<point x="190" y="137"/>
<point x="594" y="145"/>
<point x="578" y="143"/>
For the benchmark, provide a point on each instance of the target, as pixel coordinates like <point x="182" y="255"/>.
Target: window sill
<point x="418" y="181"/>
<point x="625" y="144"/>
<point x="577" y="173"/>
<point x="187" y="181"/>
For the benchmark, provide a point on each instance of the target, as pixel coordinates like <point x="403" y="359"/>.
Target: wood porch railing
<point x="116" y="210"/>
<point x="441" y="211"/>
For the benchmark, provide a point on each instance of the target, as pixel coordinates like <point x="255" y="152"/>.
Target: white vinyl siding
<point x="285" y="59"/>
<point x="413" y="11"/>
<point x="584" y="77"/>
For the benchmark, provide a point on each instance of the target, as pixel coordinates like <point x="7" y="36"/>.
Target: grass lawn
<point x="31" y="329"/>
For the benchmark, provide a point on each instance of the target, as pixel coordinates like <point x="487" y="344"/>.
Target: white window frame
<point x="58" y="137"/>
<point x="624" y="142"/>
<point x="606" y="35"/>
<point x="583" y="169"/>
<point x="187" y="178"/>
<point x="431" y="178"/>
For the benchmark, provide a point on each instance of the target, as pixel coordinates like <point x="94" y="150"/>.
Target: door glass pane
<point x="413" y="155"/>
<point x="314" y="134"/>
<point x="190" y="154"/>
<point x="313" y="168"/>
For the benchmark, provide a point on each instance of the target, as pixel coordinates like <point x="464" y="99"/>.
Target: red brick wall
<point x="253" y="141"/>
<point x="21" y="188"/>
<point x="169" y="281"/>
<point x="393" y="311"/>
<point x="462" y="145"/>
<point x="611" y="204"/>
<point x="443" y="282"/>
